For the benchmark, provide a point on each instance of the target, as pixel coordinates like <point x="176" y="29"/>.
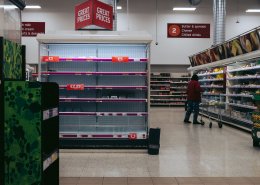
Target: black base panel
<point x="103" y="144"/>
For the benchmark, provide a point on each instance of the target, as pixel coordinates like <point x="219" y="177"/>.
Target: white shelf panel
<point x="209" y="74"/>
<point x="159" y="90"/>
<point x="244" y="69"/>
<point x="211" y="80"/>
<point x="242" y="106"/>
<point x="238" y="95"/>
<point x="244" y="87"/>
<point x="211" y="94"/>
<point x="159" y="81"/>
<point x="244" y="78"/>
<point x="211" y="86"/>
<point x="168" y="95"/>
<point x="179" y="82"/>
<point x="167" y="100"/>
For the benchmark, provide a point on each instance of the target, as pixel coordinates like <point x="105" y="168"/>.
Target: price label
<point x="75" y="87"/>
<point x="50" y="59"/>
<point x="132" y="136"/>
<point x="120" y="59"/>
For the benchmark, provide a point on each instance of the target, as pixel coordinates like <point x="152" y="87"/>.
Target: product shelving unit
<point x="240" y="83"/>
<point x="104" y="87"/>
<point x="167" y="90"/>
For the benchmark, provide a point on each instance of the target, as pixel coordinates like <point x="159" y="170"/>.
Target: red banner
<point x="103" y="15"/>
<point x="50" y="59"/>
<point x="188" y="30"/>
<point x="31" y="29"/>
<point x="93" y="12"/>
<point x="120" y="59"/>
<point x="75" y="87"/>
<point x="83" y="15"/>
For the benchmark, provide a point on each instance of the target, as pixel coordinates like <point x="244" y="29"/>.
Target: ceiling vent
<point x="194" y="2"/>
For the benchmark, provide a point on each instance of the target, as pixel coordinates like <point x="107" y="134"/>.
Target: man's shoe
<point x="196" y="123"/>
<point x="187" y="121"/>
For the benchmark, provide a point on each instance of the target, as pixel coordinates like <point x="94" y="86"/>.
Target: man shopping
<point x="193" y="100"/>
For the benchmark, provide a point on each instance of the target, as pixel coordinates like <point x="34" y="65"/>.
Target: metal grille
<point x="72" y="50"/>
<point x="122" y="80"/>
<point x="122" y="67"/>
<point x="121" y="107"/>
<point x="72" y="79"/>
<point x="122" y="94"/>
<point x="133" y="51"/>
<point x="106" y="124"/>
<point x="72" y="66"/>
<point x="77" y="107"/>
<point x="87" y="93"/>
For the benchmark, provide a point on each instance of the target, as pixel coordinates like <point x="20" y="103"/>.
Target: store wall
<point x="142" y="17"/>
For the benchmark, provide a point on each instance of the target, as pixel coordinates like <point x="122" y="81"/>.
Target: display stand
<point x="104" y="86"/>
<point x="167" y="90"/>
<point x="233" y="90"/>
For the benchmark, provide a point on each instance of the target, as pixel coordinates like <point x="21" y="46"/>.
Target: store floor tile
<point x="159" y="181"/>
<point x="186" y="151"/>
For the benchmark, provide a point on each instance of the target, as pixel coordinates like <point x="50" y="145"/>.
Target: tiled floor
<point x="160" y="181"/>
<point x="186" y="151"/>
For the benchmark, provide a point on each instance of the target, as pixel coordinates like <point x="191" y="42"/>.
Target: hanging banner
<point x="238" y="46"/>
<point x="93" y="13"/>
<point x="178" y="30"/>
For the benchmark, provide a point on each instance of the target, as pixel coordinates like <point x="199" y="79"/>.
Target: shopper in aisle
<point x="194" y="98"/>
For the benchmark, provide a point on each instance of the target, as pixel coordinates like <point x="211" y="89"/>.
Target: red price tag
<point x="75" y="87"/>
<point x="132" y="136"/>
<point x="120" y="59"/>
<point x="50" y="59"/>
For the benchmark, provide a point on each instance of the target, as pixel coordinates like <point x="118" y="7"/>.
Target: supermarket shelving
<point x="167" y="90"/>
<point x="109" y="107"/>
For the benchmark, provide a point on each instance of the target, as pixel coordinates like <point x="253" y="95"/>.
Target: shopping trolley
<point x="206" y="104"/>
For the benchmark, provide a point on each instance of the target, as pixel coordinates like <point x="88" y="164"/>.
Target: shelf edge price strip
<point x="75" y="87"/>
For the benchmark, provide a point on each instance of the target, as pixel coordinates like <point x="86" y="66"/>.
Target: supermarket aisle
<point x="186" y="151"/>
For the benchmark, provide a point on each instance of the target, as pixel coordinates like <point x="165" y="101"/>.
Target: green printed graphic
<point x="12" y="65"/>
<point x="22" y="134"/>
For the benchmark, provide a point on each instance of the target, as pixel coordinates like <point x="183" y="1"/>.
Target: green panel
<point x="13" y="62"/>
<point x="22" y="119"/>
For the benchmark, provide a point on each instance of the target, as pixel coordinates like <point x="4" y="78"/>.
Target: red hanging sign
<point x="75" y="87"/>
<point x="120" y="59"/>
<point x="177" y="30"/>
<point x="93" y="12"/>
<point x="50" y="58"/>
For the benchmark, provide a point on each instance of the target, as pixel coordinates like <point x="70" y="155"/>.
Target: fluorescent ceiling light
<point x="252" y="10"/>
<point x="183" y="9"/>
<point x="119" y="7"/>
<point x="8" y="6"/>
<point x="33" y="7"/>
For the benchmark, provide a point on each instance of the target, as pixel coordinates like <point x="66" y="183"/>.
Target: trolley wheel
<point x="255" y="143"/>
<point x="219" y="124"/>
<point x="210" y="125"/>
<point x="202" y="123"/>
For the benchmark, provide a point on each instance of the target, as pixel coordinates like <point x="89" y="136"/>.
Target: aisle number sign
<point x="178" y="30"/>
<point x="93" y="12"/>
